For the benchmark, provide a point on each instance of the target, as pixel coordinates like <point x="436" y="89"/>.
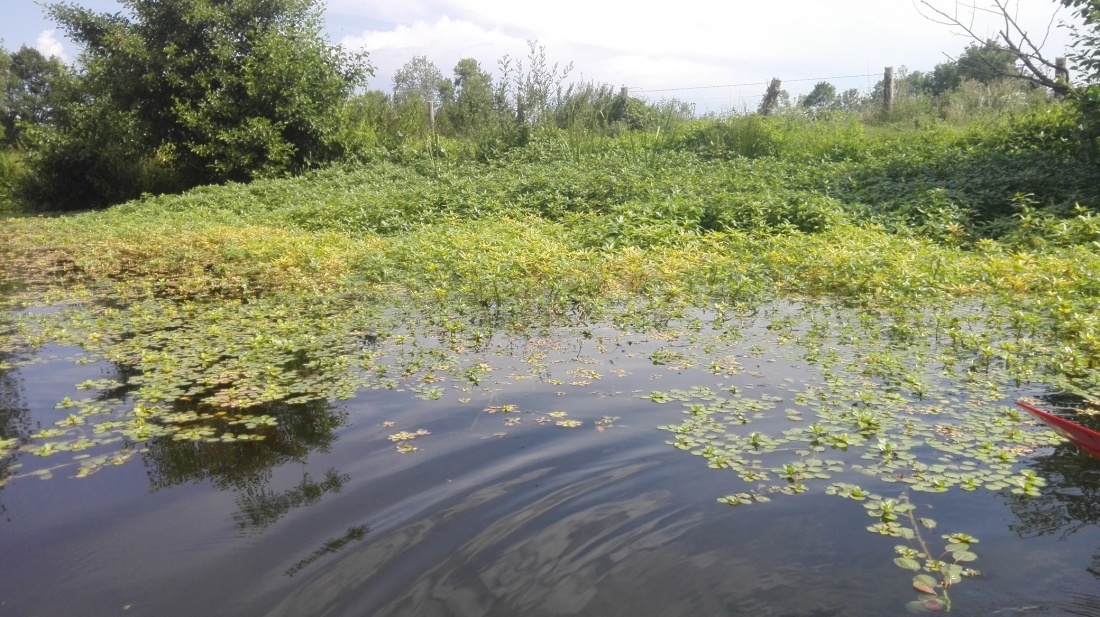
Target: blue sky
<point x="660" y="50"/>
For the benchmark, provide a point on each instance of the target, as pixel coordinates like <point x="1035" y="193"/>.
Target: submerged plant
<point x="937" y="573"/>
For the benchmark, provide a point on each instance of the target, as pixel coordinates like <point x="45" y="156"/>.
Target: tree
<point x="534" y="92"/>
<point x="849" y="100"/>
<point x="985" y="63"/>
<point x="1086" y="59"/>
<point x="473" y="106"/>
<point x="418" y="79"/>
<point x="446" y="92"/>
<point x="6" y="80"/>
<point x="1086" y="38"/>
<point x="468" y="70"/>
<point x="822" y="96"/>
<point x="771" y="97"/>
<point x="31" y="90"/>
<point x="198" y="91"/>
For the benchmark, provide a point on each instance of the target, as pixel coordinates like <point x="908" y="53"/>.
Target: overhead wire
<point x="743" y="85"/>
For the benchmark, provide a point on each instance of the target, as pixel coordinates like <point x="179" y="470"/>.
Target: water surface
<point x="545" y="488"/>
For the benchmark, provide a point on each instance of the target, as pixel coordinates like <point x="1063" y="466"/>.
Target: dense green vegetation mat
<point x="573" y="227"/>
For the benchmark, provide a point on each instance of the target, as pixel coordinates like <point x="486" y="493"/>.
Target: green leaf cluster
<point x="177" y="94"/>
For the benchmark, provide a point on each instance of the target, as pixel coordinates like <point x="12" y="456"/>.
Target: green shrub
<point x="12" y="173"/>
<point x="979" y="170"/>
<point x="180" y="94"/>
<point x="750" y="136"/>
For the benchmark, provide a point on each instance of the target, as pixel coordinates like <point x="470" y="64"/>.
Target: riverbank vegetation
<point x="876" y="216"/>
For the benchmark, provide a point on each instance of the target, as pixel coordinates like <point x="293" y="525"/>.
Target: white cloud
<point x="445" y="34"/>
<point x="48" y="45"/>
<point x="655" y="46"/>
<point x="444" y="41"/>
<point x="387" y="10"/>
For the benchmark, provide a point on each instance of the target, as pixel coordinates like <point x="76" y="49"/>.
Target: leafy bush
<point x="12" y="171"/>
<point x="737" y="136"/>
<point x="241" y="90"/>
<point x="975" y="99"/>
<point x="980" y="169"/>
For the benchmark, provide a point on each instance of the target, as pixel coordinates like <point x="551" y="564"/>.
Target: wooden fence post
<point x="888" y="89"/>
<point x="1061" y="72"/>
<point x="771" y="97"/>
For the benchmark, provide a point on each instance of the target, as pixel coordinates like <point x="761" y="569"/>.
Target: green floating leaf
<point x="924" y="584"/>
<point x="736" y="500"/>
<point x="960" y="538"/>
<point x="952" y="574"/>
<point x="964" y="556"/>
<point x="915" y="607"/>
<point x="907" y="563"/>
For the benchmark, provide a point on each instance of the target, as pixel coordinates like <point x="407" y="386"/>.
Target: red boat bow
<point x="1086" y="439"/>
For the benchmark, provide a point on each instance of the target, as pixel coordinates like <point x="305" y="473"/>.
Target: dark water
<point x="1074" y="408"/>
<point x="493" y="517"/>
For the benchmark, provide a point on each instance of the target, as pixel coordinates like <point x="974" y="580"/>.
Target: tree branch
<point x="1014" y="39"/>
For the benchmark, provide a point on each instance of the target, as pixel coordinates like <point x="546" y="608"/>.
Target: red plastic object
<point x="1086" y="439"/>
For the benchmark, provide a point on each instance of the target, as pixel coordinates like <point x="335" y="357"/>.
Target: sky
<point x="715" y="54"/>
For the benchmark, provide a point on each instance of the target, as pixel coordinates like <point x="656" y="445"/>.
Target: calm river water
<point x="537" y="491"/>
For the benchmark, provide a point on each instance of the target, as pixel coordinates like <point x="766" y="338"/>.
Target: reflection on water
<point x="1081" y="410"/>
<point x="15" y="422"/>
<point x="353" y="535"/>
<point x="619" y="541"/>
<point x="537" y="571"/>
<point x="567" y="551"/>
<point x="245" y="467"/>
<point x="1081" y="604"/>
<point x="260" y="507"/>
<point x="15" y="426"/>
<point x="1071" y="500"/>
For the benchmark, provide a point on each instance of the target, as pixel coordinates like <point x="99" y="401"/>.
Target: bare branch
<point x="1035" y="53"/>
<point x="1013" y="38"/>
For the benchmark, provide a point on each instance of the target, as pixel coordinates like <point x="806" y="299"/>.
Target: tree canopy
<point x="32" y="87"/>
<point x="1086" y="39"/>
<point x="418" y="78"/>
<point x="202" y="90"/>
<point x="823" y="95"/>
<point x="985" y="63"/>
<point x="474" y="104"/>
